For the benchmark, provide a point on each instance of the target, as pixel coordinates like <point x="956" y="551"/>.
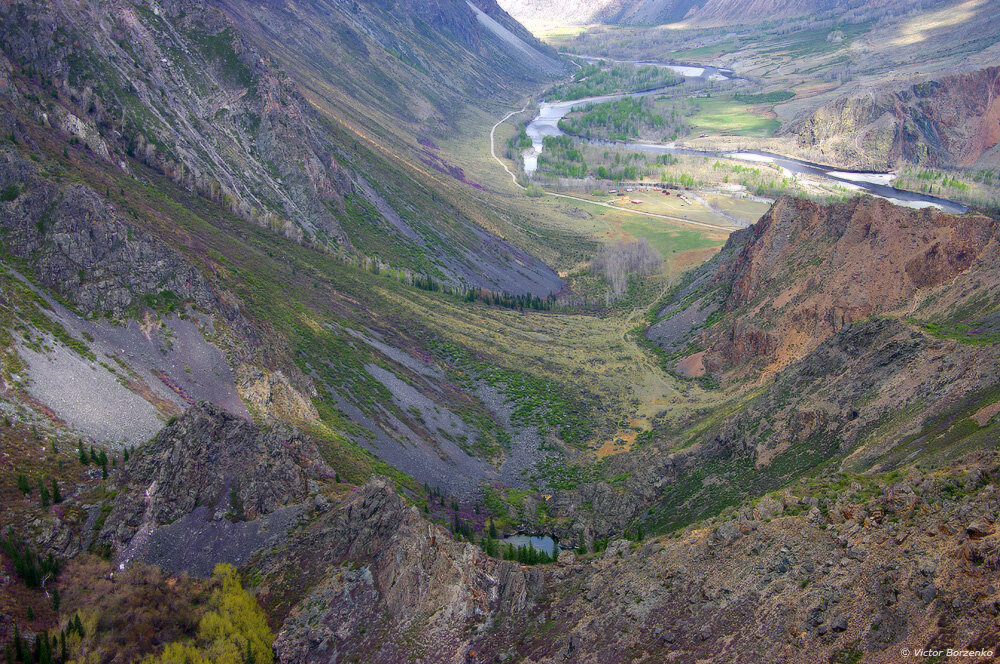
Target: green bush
<point x="235" y="631"/>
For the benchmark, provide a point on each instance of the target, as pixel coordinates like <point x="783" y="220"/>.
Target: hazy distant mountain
<point x="536" y="13"/>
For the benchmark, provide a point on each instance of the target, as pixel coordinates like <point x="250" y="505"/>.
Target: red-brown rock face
<point x="808" y="270"/>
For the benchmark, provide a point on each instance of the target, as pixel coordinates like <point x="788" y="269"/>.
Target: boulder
<point x="566" y="557"/>
<point x="767" y="508"/>
<point x="979" y="529"/>
<point x="617" y="549"/>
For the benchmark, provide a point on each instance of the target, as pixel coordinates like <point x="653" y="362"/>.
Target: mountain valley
<point x="317" y="317"/>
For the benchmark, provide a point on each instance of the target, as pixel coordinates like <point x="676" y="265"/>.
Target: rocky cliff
<point x="386" y="586"/>
<point x="854" y="337"/>
<point x="213" y="463"/>
<point x="824" y="571"/>
<point x="805" y="271"/>
<point x="83" y="248"/>
<point x="948" y="122"/>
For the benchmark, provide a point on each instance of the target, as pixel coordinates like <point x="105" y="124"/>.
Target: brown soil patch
<point x="692" y="366"/>
<point x="784" y="298"/>
<point x="814" y="89"/>
<point x="620" y="442"/>
<point x="987" y="413"/>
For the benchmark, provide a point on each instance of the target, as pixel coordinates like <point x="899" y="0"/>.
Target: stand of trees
<point x="33" y="568"/>
<point x="618" y="120"/>
<point x="617" y="261"/>
<point x="595" y="80"/>
<point x="504" y="299"/>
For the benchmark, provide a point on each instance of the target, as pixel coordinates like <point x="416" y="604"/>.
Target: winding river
<point x="546" y="123"/>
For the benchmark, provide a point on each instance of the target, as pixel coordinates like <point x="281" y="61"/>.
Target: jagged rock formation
<point x="824" y="573"/>
<point x="953" y="121"/>
<point x="816" y="313"/>
<point x="781" y="582"/>
<point x="214" y="466"/>
<point x="377" y="582"/>
<point x="805" y="271"/>
<point x="84" y="249"/>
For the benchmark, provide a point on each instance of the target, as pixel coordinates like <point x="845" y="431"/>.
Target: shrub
<point x="234" y="631"/>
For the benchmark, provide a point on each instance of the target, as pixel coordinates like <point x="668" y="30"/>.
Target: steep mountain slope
<point x="294" y="133"/>
<point x="836" y="570"/>
<point x="216" y="201"/>
<point x="852" y="337"/>
<point x="857" y="334"/>
<point x="946" y="123"/>
<point x="225" y="228"/>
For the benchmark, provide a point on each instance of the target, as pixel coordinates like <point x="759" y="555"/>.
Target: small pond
<point x="538" y="542"/>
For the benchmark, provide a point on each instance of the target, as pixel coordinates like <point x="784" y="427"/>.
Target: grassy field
<point x="725" y="115"/>
<point x="707" y="52"/>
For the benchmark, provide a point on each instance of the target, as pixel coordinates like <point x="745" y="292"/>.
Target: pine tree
<point x="43" y="493"/>
<point x="56" y="495"/>
<point x="22" y="484"/>
<point x="126" y="454"/>
<point x="492" y="529"/>
<point x="20" y="647"/>
<point x="44" y="648"/>
<point x="84" y="459"/>
<point x="30" y="613"/>
<point x="56" y="600"/>
<point x="78" y="626"/>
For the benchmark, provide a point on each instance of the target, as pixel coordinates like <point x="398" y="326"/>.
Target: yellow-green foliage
<point x="234" y="631"/>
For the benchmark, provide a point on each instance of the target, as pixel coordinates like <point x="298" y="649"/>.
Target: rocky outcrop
<point x="271" y="393"/>
<point x="874" y="571"/>
<point x="381" y="584"/>
<point x="82" y="246"/>
<point x="209" y="458"/>
<point x="815" y="310"/>
<point x="805" y="271"/>
<point x="953" y="121"/>
<point x="872" y="578"/>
